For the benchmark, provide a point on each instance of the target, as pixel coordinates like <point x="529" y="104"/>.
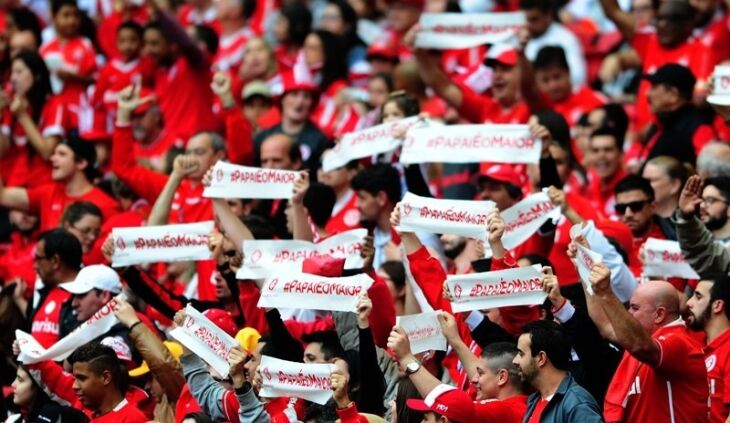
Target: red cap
<point x="382" y="48"/>
<point x="503" y="54"/>
<point x="619" y="232"/>
<point x="502" y="173"/>
<point x="325" y="265"/>
<point x="222" y="319"/>
<point x="447" y="401"/>
<point x="298" y="79"/>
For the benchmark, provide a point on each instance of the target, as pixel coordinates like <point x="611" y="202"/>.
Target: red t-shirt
<point x="21" y="165"/>
<point x="17" y="261"/>
<point x="674" y="391"/>
<point x="578" y="103"/>
<point x="717" y="360"/>
<point x="345" y="215"/>
<point x="117" y="75"/>
<point x="75" y="55"/>
<point x="124" y="412"/>
<point x="508" y="410"/>
<point x="106" y="32"/>
<point x="716" y="36"/>
<point x="691" y="53"/>
<point x="185" y="98"/>
<point x="483" y="109"/>
<point x="49" y="201"/>
<point x="537" y="411"/>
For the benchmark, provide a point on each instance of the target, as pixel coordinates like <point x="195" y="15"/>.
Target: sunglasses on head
<point x="635" y="206"/>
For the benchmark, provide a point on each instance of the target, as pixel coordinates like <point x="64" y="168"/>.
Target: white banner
<point x="262" y="258"/>
<point x="502" y="288"/>
<point x="368" y="142"/>
<point x="721" y="86"/>
<point x="471" y="144"/>
<point x="97" y="325"/>
<point x="424" y="331"/>
<point x="164" y="243"/>
<point x="524" y="218"/>
<point x="283" y="378"/>
<point x="663" y="258"/>
<point x="456" y="217"/>
<point x="585" y="259"/>
<point x="205" y="339"/>
<point x="464" y="30"/>
<point x="234" y="181"/>
<point x="313" y="292"/>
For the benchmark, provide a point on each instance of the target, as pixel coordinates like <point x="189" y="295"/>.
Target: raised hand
<point x="221" y="86"/>
<point x="339" y="384"/>
<point x="368" y="252"/>
<point x="364" y="307"/>
<point x="600" y="279"/>
<point x="107" y="249"/>
<point x="399" y="344"/>
<point x="557" y="197"/>
<point x="395" y="216"/>
<point x="691" y="196"/>
<point x="125" y="314"/>
<point x="449" y="327"/>
<point x="551" y="286"/>
<point x="301" y="185"/>
<point x="184" y="165"/>
<point x="237" y="360"/>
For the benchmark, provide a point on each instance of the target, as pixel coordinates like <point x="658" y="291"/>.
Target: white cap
<point x="121" y="349"/>
<point x="95" y="276"/>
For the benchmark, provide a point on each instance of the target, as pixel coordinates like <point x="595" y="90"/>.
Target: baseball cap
<point x="501" y="54"/>
<point x="382" y="48"/>
<point x="121" y="349"/>
<point x="255" y="88"/>
<point x="501" y="173"/>
<point x="222" y="319"/>
<point x="674" y="75"/>
<point x="248" y="338"/>
<point x="96" y="276"/>
<point x="324" y="265"/>
<point x="175" y="349"/>
<point x="447" y="401"/>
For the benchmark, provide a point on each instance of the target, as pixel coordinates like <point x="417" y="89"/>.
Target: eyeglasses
<point x="712" y="200"/>
<point x="635" y="206"/>
<point x="87" y="231"/>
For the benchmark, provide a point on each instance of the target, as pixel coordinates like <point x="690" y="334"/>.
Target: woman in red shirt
<point x="33" y="123"/>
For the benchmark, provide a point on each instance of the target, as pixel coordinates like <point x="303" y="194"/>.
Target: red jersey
<point x="716" y="37"/>
<point x="564" y="267"/>
<point x="692" y="53"/>
<point x="21" y="165"/>
<point x="115" y="76"/>
<point x="49" y="201"/>
<point x="673" y="391"/>
<point x="635" y="261"/>
<point x="106" y="32"/>
<point x="578" y="103"/>
<point x="345" y="215"/>
<point x="124" y="412"/>
<point x="75" y="55"/>
<point x="190" y="16"/>
<point x="185" y="98"/>
<point x="326" y="113"/>
<point x="483" y="109"/>
<point x="508" y="410"/>
<point x="230" y="50"/>
<point x="45" y="324"/>
<point x="601" y="195"/>
<point x="537" y="412"/>
<point x="717" y="361"/>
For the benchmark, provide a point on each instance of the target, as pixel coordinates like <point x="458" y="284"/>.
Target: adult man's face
<point x="275" y="153"/>
<point x="63" y="163"/>
<point x="554" y="82"/>
<point x="605" y="156"/>
<point x="296" y="105"/>
<point x="85" y="305"/>
<point x="453" y="245"/>
<point x="496" y="191"/>
<point x="43" y="265"/>
<point x="368" y="205"/>
<point x="401" y="16"/>
<point x="505" y="82"/>
<point x="714" y="210"/>
<point x="524" y="360"/>
<point x="200" y="147"/>
<point x="89" y="386"/>
<point x="661" y="98"/>
<point x="639" y="210"/>
<point x="538" y="21"/>
<point x="485" y="381"/>
<point x="698" y="306"/>
<point x="157" y="47"/>
<point x="674" y="23"/>
<point x="313" y="353"/>
<point x="642" y="307"/>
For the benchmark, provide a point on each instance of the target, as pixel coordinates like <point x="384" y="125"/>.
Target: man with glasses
<point x="714" y="208"/>
<point x="636" y="208"/>
<point x="57" y="260"/>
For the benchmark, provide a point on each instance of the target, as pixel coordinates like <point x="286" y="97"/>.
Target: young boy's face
<point x="67" y="21"/>
<point x="129" y="44"/>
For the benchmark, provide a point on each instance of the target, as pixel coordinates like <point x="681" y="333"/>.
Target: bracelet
<point x="134" y="324"/>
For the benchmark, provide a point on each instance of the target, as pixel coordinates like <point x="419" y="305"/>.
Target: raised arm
<point x="624" y="21"/>
<point x="14" y="198"/>
<point x="451" y="332"/>
<point x="239" y="131"/>
<point x="229" y="223"/>
<point x="429" y="67"/>
<point x="183" y="166"/>
<point x="410" y="241"/>
<point x="174" y="32"/>
<point x="302" y="229"/>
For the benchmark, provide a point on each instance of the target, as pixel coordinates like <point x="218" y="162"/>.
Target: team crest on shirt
<point x="352" y="217"/>
<point x="50" y="307"/>
<point x="710" y="362"/>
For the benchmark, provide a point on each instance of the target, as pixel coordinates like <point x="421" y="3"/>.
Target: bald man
<point x="714" y="160"/>
<point x="662" y="375"/>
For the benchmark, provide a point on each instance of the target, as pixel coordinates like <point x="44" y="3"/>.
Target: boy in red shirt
<point x="100" y="385"/>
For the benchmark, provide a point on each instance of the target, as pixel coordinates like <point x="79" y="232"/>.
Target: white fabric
<point x="663" y="258"/>
<point x="721" y="86"/>
<point x="558" y="35"/>
<point x="585" y="259"/>
<point x="511" y="287"/>
<point x="313" y="292"/>
<point x="623" y="281"/>
<point x="457" y="217"/>
<point x="281" y="378"/>
<point x="465" y="30"/>
<point x="523" y="219"/>
<point x="233" y="181"/>
<point x="423" y="330"/>
<point x="164" y="243"/>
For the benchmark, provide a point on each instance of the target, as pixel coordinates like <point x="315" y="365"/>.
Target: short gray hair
<point x="714" y="160"/>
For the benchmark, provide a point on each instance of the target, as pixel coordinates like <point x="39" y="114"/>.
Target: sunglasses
<point x="635" y="206"/>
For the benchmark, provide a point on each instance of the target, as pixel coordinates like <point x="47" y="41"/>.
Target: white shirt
<point x="558" y="35"/>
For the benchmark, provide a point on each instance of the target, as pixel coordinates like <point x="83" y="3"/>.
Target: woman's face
<point x="313" y="51"/>
<point x="256" y="60"/>
<point x="281" y="29"/>
<point x="378" y="91"/>
<point x="332" y="20"/>
<point x="21" y="77"/>
<point x="86" y="230"/>
<point x="23" y="391"/>
<point x="392" y="113"/>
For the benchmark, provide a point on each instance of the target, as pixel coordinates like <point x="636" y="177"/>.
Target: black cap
<point x="677" y="76"/>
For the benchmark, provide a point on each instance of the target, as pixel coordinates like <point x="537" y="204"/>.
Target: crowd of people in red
<point x="114" y="114"/>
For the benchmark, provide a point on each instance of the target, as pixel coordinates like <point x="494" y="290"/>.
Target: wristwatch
<point x="412" y="367"/>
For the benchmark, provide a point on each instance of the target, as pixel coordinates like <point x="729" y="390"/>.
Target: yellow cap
<point x="248" y="338"/>
<point x="175" y="349"/>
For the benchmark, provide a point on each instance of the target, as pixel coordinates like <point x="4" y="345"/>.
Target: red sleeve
<point x="299" y="329"/>
<point x="144" y="182"/>
<point x="506" y="262"/>
<point x="57" y="381"/>
<point x="430" y="277"/>
<point x="54" y="120"/>
<point x="383" y="318"/>
<point x="87" y="65"/>
<point x="674" y="352"/>
<point x="703" y="134"/>
<point x="536" y="244"/>
<point x="37" y="196"/>
<point x="255" y="317"/>
<point x="238" y="137"/>
<point x="473" y="105"/>
<point x="102" y="85"/>
<point x="349" y="414"/>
